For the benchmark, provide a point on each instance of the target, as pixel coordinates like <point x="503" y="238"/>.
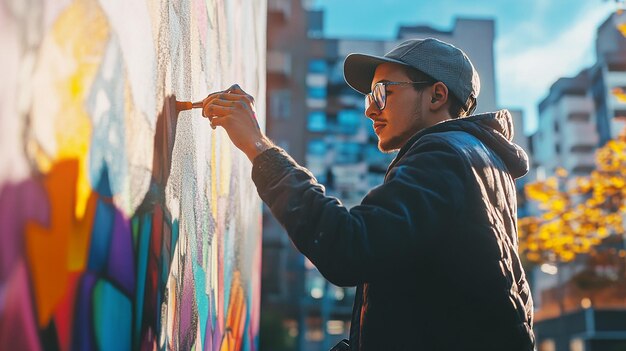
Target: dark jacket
<point x="432" y="251"/>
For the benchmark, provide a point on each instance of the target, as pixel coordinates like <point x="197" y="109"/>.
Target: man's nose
<point x="372" y="111"/>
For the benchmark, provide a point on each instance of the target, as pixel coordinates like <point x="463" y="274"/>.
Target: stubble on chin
<point x="386" y="148"/>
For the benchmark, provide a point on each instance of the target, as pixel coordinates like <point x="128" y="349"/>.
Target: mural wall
<point x="123" y="223"/>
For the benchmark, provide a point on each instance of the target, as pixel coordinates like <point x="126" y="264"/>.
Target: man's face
<point x="402" y="116"/>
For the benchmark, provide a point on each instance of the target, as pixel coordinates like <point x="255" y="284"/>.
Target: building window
<point x="317" y="159"/>
<point x="348" y="121"/>
<point x="317" y="147"/>
<point x="314" y="331"/>
<point x="347" y="152"/>
<point x="318" y="66"/>
<point x="556" y="126"/>
<point x="317" y="121"/>
<point x="315" y="284"/>
<point x="316" y="92"/>
<point x="578" y="117"/>
<point x="582" y="170"/>
<point x="335" y="327"/>
<point x="279" y="62"/>
<point x="316" y="84"/>
<point x="577" y="344"/>
<point x="271" y="269"/>
<point x="620" y="114"/>
<point x="547" y="345"/>
<point x="583" y="148"/>
<point x="557" y="148"/>
<point x="280" y="104"/>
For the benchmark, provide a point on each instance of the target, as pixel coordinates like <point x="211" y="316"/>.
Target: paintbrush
<point x="187" y="105"/>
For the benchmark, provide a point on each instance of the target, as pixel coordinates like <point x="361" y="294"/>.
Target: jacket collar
<point x="494" y="129"/>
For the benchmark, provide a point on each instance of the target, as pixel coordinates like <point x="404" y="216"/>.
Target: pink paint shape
<point x="18" y="328"/>
<point x="187" y="304"/>
<point x="202" y="19"/>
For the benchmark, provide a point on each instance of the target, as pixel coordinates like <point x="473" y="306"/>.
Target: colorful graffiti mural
<point x="125" y="224"/>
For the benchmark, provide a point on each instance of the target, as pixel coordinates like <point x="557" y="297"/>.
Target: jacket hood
<point x="494" y="129"/>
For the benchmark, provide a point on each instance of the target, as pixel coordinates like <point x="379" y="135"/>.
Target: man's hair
<point x="456" y="107"/>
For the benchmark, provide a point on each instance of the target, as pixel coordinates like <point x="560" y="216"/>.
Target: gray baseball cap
<point x="440" y="60"/>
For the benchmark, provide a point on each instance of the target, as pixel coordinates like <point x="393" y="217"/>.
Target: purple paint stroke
<point x="19" y="203"/>
<point x="121" y="256"/>
<point x="82" y="331"/>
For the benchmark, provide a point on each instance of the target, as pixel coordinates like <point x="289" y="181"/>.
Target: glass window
<point x="316" y="92"/>
<point x="317" y="147"/>
<point x="620" y="114"/>
<point x="280" y="104"/>
<point x="579" y="117"/>
<point x="318" y="66"/>
<point x="335" y="327"/>
<point x="348" y="121"/>
<point x="583" y="148"/>
<point x="348" y="152"/>
<point x="317" y="121"/>
<point x="315" y="284"/>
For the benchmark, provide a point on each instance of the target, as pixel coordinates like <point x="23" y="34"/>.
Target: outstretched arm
<point x="394" y="227"/>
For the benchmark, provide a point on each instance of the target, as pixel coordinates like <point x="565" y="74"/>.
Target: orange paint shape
<point x="80" y="235"/>
<point x="235" y="319"/>
<point x="51" y="251"/>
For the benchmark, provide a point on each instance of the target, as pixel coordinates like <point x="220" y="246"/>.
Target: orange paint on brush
<point x="187" y="105"/>
<point x="183" y="105"/>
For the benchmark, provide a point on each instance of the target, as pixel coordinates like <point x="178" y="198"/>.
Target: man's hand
<point x="233" y="110"/>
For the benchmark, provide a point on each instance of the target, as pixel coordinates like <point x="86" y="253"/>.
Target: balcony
<point x="579" y="133"/>
<point x="281" y="8"/>
<point x="579" y="161"/>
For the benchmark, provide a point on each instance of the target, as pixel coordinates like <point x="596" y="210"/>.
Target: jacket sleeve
<point x="423" y="191"/>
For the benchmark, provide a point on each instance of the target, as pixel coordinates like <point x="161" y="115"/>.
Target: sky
<point x="536" y="41"/>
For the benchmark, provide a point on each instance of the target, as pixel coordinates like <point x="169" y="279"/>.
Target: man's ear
<point x="439" y="95"/>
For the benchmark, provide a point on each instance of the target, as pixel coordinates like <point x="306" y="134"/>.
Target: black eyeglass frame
<point x="369" y="97"/>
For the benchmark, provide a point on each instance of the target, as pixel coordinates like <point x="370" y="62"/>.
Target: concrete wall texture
<point x="123" y="223"/>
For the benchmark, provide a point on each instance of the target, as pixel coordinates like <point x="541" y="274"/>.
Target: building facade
<point x="581" y="305"/>
<point x="566" y="136"/>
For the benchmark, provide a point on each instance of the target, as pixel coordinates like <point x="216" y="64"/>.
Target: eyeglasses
<point x="379" y="93"/>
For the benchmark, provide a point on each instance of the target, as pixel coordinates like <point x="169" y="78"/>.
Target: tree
<point x="578" y="213"/>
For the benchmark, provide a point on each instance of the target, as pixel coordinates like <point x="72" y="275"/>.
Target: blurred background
<point x="558" y="66"/>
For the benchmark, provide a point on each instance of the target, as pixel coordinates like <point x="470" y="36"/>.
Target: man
<point x="433" y="250"/>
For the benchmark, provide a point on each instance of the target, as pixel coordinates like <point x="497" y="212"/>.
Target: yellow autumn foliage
<point x="576" y="215"/>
